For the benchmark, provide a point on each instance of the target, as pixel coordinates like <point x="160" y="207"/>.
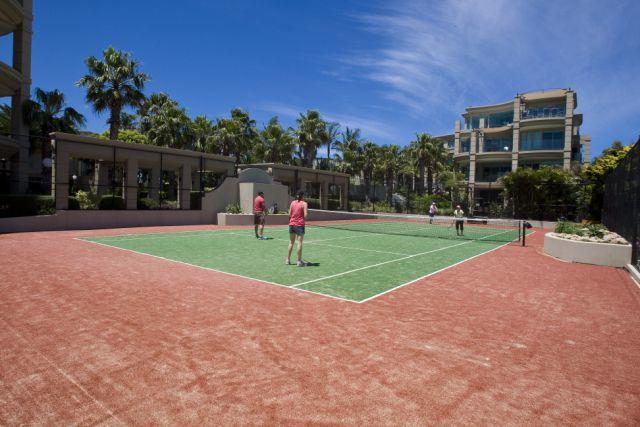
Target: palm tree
<point x="112" y="84"/>
<point x="389" y="164"/>
<point x="224" y="136"/>
<point x="277" y="145"/>
<point x="312" y="133"/>
<point x="421" y="153"/>
<point x="47" y="112"/>
<point x="203" y="131"/>
<point x="165" y="123"/>
<point x="369" y="161"/>
<point x="437" y="155"/>
<point x="349" y="154"/>
<point x="245" y="135"/>
<point x="332" y="131"/>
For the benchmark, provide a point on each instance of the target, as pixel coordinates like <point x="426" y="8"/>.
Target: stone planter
<point x="247" y="219"/>
<point x="587" y="252"/>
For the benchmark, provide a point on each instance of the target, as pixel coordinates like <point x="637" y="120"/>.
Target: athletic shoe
<point x="287" y="262"/>
<point x="262" y="238"/>
<point x="302" y="263"/>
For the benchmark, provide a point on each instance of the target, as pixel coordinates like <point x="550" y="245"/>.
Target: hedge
<point x="26" y="205"/>
<point x="110" y="202"/>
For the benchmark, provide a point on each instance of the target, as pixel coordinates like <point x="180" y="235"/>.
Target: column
<point x="22" y="64"/>
<point x="586" y="149"/>
<point x="515" y="137"/>
<point x="184" y="188"/>
<point x="131" y="184"/>
<point x="472" y="157"/>
<point x="60" y="179"/>
<point x="456" y="143"/>
<point x="568" y="131"/>
<point x="324" y="195"/>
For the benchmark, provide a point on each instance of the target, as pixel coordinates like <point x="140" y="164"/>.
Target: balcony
<point x="543" y="113"/>
<point x="497" y="145"/>
<point x="465" y="146"/>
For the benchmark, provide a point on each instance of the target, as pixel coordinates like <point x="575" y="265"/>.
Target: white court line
<point x="64" y="374"/>
<point x="153" y="236"/>
<point x="217" y="271"/>
<point x="315" y="242"/>
<point x="394" y="260"/>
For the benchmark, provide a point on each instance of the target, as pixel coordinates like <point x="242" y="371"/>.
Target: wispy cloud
<point x="435" y="58"/>
<point x="369" y="127"/>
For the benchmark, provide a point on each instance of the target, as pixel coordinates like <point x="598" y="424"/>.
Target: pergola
<point x="296" y="176"/>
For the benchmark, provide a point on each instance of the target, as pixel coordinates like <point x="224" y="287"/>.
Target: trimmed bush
<point x="110" y="202"/>
<point x="74" y="204"/>
<point x="87" y="199"/>
<point x="26" y="205"/>
<point x="146" y="203"/>
<point x="233" y="208"/>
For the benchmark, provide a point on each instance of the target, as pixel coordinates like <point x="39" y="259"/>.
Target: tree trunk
<point x="430" y="180"/>
<point x="421" y="177"/>
<point x="114" y="122"/>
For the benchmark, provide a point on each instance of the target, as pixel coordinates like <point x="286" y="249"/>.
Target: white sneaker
<point x="287" y="262"/>
<point x="302" y="263"/>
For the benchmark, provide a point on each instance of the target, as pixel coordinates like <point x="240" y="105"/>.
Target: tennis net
<point x="494" y="230"/>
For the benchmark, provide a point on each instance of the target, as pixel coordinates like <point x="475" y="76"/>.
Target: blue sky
<point x="391" y="68"/>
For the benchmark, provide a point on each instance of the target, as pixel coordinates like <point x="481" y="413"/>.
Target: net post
<point x="524" y="234"/>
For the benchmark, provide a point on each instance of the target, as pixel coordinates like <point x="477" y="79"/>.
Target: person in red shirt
<point x="297" y="216"/>
<point x="259" y="213"/>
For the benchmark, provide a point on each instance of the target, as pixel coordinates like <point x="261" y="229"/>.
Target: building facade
<point x="17" y="164"/>
<point x="532" y="130"/>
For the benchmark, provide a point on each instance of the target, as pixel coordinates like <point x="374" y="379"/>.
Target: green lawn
<point x="353" y="265"/>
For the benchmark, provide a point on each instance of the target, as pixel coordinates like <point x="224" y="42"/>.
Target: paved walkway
<point x="91" y="335"/>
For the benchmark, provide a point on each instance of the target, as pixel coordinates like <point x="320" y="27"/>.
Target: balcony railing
<point x="497" y="145"/>
<point x="465" y="146"/>
<point x="542" y="113"/>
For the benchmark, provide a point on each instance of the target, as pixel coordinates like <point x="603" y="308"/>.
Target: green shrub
<point x="87" y="199"/>
<point x="595" y="230"/>
<point x="73" y="204"/>
<point x="110" y="202"/>
<point x="196" y="200"/>
<point x="233" y="208"/>
<point x="569" y="228"/>
<point x="146" y="203"/>
<point x="333" y="204"/>
<point x="26" y="205"/>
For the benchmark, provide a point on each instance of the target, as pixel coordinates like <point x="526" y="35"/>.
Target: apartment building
<point x="16" y="163"/>
<point x="532" y="130"/>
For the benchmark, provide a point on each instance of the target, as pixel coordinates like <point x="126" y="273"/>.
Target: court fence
<point x="621" y="208"/>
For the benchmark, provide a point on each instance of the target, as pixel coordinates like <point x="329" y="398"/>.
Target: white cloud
<point x="369" y="127"/>
<point x="435" y="58"/>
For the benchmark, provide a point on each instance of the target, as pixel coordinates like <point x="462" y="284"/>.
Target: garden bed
<point x="589" y="244"/>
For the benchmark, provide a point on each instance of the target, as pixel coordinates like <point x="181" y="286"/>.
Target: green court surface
<point x="353" y="264"/>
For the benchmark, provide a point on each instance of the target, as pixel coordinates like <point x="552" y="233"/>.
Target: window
<point x="492" y="173"/>
<point x="537" y="164"/>
<point x="542" y="140"/>
<point x="465" y="145"/>
<point x="498" y="144"/>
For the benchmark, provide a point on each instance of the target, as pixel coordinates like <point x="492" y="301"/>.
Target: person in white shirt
<point x="458" y="214"/>
<point x="433" y="210"/>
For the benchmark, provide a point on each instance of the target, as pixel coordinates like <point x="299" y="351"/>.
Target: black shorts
<point x="298" y="230"/>
<point x="258" y="219"/>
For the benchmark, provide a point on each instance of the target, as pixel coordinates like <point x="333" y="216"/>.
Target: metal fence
<point x="621" y="208"/>
<point x="546" y="202"/>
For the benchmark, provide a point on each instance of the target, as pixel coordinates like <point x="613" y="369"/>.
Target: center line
<point x="393" y="260"/>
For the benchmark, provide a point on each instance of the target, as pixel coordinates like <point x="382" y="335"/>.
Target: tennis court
<point x="355" y="260"/>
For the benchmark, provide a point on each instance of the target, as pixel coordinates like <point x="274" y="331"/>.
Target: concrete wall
<point x="273" y="193"/>
<point x="85" y="220"/>
<point x="587" y="252"/>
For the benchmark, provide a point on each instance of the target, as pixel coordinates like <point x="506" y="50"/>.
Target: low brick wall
<point x="587" y="252"/>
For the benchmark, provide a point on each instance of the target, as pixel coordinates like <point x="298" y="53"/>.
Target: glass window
<point x="492" y="173"/>
<point x="465" y="145"/>
<point x="498" y="144"/>
<point x="537" y="164"/>
<point x="542" y="140"/>
<point x="499" y="119"/>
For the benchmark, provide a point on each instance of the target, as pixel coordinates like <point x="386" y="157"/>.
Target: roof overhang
<point x="12" y="14"/>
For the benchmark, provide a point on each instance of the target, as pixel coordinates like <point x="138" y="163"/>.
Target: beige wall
<point x="273" y="193"/>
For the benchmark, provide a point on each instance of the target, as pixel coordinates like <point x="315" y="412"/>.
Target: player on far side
<point x="297" y="215"/>
<point x="259" y="215"/>
<point x="433" y="210"/>
<point x="458" y="214"/>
